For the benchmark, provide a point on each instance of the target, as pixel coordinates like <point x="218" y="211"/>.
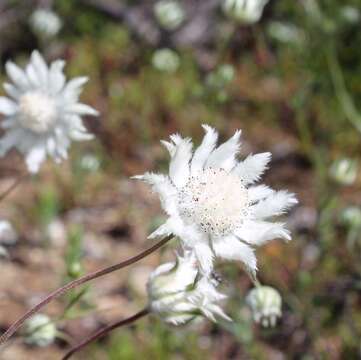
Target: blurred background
<point x="288" y="75"/>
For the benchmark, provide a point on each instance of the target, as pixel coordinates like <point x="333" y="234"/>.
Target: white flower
<point x="178" y="294"/>
<point x="45" y="23"/>
<point x="212" y="202"/>
<point x="166" y="60"/>
<point x="42" y="112"/>
<point x="8" y="235"/>
<point x="244" y="11"/>
<point x="169" y="14"/>
<point x="265" y="303"/>
<point x="40" y="331"/>
<point x="344" y="171"/>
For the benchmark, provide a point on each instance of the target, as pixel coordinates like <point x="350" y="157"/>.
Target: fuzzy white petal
<point x="205" y="256"/>
<point x="275" y="204"/>
<point x="225" y="155"/>
<point x="251" y="169"/>
<point x="81" y="109"/>
<point x="73" y="88"/>
<point x="12" y="91"/>
<point x="17" y="76"/>
<point x="179" y="164"/>
<point x="56" y="76"/>
<point x="204" y="150"/>
<point x="7" y="106"/>
<point x="230" y="248"/>
<point x="35" y="157"/>
<point x="259" y="232"/>
<point x="40" y="67"/>
<point x="259" y="192"/>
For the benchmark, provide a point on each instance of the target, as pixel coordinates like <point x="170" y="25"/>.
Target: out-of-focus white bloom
<point x="220" y="77"/>
<point x="45" y="23"/>
<point x="286" y="33"/>
<point x="8" y="235"/>
<point x="42" y="112"/>
<point x="212" y="203"/>
<point x="350" y="14"/>
<point x="169" y="14"/>
<point x="265" y="303"/>
<point x="178" y="294"/>
<point x="344" y="171"/>
<point x="351" y="216"/>
<point x="244" y="11"/>
<point x="40" y="331"/>
<point x="166" y="60"/>
<point x="90" y="163"/>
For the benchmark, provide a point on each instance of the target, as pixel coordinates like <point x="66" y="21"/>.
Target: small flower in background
<point x="169" y="14"/>
<point x="166" y="60"/>
<point x="351" y="216"/>
<point x="265" y="303"/>
<point x="42" y="112"/>
<point x="344" y="171"/>
<point x="286" y="33"/>
<point x="45" y="23"/>
<point x="220" y="77"/>
<point x="350" y="14"/>
<point x="244" y="11"/>
<point x="40" y="331"/>
<point x="8" y="235"/>
<point x="90" y="163"/>
<point x="178" y="294"/>
<point x="212" y="203"/>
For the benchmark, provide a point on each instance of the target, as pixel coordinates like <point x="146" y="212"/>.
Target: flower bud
<point x="344" y="171"/>
<point x="166" y="60"/>
<point x="265" y="303"/>
<point x="351" y="216"/>
<point x="169" y="14"/>
<point x="178" y="294"/>
<point x="220" y="77"/>
<point x="8" y="235"/>
<point x="244" y="11"/>
<point x="40" y="330"/>
<point x="45" y="23"/>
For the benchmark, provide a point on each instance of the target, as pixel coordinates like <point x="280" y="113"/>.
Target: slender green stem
<point x="105" y="331"/>
<point x="75" y="283"/>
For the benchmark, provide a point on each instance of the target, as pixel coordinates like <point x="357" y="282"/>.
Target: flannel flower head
<point x="179" y="294"/>
<point x="42" y="112"/>
<point x="212" y="203"/>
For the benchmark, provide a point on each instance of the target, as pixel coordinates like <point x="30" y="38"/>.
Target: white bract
<point x="212" y="203"/>
<point x="42" y="112"/>
<point x="8" y="235"/>
<point x="169" y="14"/>
<point x="40" y="331"/>
<point x="178" y="294"/>
<point x="45" y="23"/>
<point x="265" y="303"/>
<point x="244" y="11"/>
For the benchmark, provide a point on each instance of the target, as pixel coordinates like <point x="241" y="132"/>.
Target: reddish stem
<point x="104" y="331"/>
<point x="75" y="283"/>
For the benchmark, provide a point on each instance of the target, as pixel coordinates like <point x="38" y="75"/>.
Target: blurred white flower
<point x="166" y="60"/>
<point x="344" y="171"/>
<point x="45" y="23"/>
<point x="178" y="294"/>
<point x="244" y="11"/>
<point x="351" y="216"/>
<point x="40" y="331"/>
<point x="265" y="303"/>
<point x="212" y="203"/>
<point x="286" y="33"/>
<point x="8" y="235"/>
<point x="90" y="163"/>
<point x="169" y="14"/>
<point x="42" y="112"/>
<point x="350" y="13"/>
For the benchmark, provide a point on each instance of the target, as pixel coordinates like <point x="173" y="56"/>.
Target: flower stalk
<point x="80" y="281"/>
<point x="105" y="331"/>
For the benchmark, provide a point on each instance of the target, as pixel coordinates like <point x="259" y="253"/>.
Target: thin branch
<point x="73" y="284"/>
<point x="13" y="186"/>
<point x="104" y="331"/>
